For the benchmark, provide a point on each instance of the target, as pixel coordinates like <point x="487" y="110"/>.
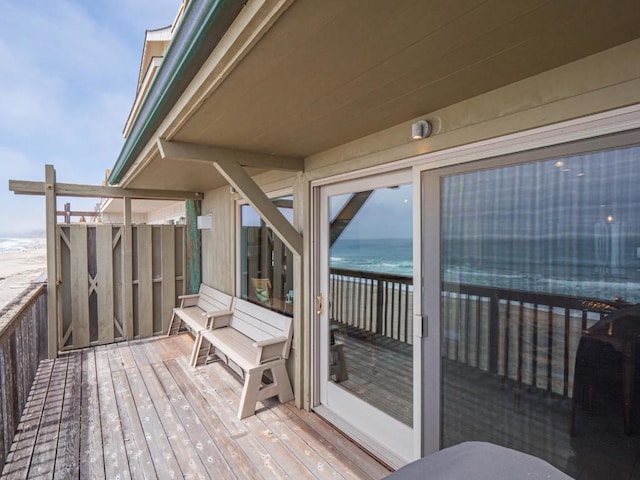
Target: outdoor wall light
<point x="421" y="129"/>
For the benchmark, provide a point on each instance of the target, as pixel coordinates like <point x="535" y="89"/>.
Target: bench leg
<point x="281" y="379"/>
<point x="200" y="352"/>
<point x="174" y="325"/>
<point x="252" y="381"/>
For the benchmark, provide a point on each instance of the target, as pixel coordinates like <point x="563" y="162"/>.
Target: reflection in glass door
<point x="366" y="321"/>
<point x="539" y="316"/>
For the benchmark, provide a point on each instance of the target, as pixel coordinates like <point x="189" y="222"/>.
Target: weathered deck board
<point x="139" y="410"/>
<point x="91" y="455"/>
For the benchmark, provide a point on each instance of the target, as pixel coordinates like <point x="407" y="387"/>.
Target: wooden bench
<point x="197" y="310"/>
<point x="256" y="340"/>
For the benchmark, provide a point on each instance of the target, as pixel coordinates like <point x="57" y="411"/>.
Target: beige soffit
<point x="298" y="78"/>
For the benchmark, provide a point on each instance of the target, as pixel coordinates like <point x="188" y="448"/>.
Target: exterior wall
<point x="218" y="244"/>
<point x="173" y="213"/>
<point x="602" y="82"/>
<point x="136" y="218"/>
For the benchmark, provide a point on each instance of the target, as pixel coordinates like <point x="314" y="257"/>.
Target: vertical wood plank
<point x="105" y="287"/>
<point x="91" y="452"/>
<point x="79" y="286"/>
<point x="52" y="275"/>
<point x="168" y="247"/>
<point x="127" y="272"/>
<point x="145" y="282"/>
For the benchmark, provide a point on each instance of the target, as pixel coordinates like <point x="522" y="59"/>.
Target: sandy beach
<point x="18" y="270"/>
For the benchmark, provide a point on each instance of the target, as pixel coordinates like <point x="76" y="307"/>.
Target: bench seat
<point x="196" y="310"/>
<point x="257" y="341"/>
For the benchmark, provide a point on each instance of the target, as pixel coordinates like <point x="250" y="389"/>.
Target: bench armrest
<point x="269" y="341"/>
<point x="191" y="295"/>
<point x="218" y="318"/>
<point x="270" y="349"/>
<point x="189" y="300"/>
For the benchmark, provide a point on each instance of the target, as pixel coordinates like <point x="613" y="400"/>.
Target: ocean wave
<point x="8" y="245"/>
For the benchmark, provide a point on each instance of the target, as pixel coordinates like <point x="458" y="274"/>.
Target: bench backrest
<point x="259" y="323"/>
<point x="211" y="299"/>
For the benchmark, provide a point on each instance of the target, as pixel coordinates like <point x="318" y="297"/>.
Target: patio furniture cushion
<point x="479" y="461"/>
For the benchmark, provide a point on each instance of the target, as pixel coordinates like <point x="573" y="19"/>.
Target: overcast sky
<point x="68" y="73"/>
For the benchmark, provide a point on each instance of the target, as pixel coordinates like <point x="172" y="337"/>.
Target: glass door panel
<point x="540" y="269"/>
<point x="367" y="352"/>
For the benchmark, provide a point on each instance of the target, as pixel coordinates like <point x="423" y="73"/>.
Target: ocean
<point x="526" y="265"/>
<point x="394" y="256"/>
<point x="8" y="245"/>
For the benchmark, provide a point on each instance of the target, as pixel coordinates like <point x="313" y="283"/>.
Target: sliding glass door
<point x="539" y="262"/>
<point x="365" y="312"/>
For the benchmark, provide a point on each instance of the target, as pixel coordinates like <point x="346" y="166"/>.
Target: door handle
<point x="320" y="304"/>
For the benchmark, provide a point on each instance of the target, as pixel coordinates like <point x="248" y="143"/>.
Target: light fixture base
<point x="421" y="129"/>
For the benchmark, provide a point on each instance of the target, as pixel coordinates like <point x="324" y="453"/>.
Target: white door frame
<point x="592" y="132"/>
<point x="357" y="428"/>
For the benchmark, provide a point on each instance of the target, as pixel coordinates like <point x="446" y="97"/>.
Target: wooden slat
<point x="145" y="282"/>
<point x="192" y="461"/>
<point x="19" y="459"/>
<point x="44" y="456"/>
<point x="143" y="412"/>
<point x="68" y="451"/>
<point x="104" y="251"/>
<point x="279" y="452"/>
<point x="91" y="454"/>
<point x="115" y="456"/>
<point x="217" y="466"/>
<point x="79" y="286"/>
<point x="127" y="272"/>
<point x="134" y="412"/>
<point x="168" y="266"/>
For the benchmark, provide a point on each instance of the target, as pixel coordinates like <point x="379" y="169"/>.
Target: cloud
<point x="68" y="73"/>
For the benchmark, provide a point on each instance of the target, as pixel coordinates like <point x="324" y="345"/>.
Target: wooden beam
<point x="63" y="213"/>
<point x="52" y="275"/>
<point x="127" y="273"/>
<point x="243" y="183"/>
<point x="24" y="187"/>
<point x="193" y="152"/>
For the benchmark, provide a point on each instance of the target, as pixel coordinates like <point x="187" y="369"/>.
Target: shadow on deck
<point x="138" y="410"/>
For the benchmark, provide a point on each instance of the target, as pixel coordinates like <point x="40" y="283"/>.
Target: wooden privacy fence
<point x="23" y="343"/>
<point x="92" y="289"/>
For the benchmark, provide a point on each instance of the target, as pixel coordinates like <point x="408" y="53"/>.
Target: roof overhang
<point x="289" y="79"/>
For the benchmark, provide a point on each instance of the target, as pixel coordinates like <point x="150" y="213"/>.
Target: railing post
<point x="379" y="305"/>
<point x="494" y="333"/>
<point x="52" y="273"/>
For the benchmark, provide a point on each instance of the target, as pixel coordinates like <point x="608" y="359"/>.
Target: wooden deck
<point x="138" y="410"/>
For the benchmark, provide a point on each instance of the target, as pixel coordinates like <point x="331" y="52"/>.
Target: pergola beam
<point x="244" y="184"/>
<point x="193" y="152"/>
<point x="24" y="187"/>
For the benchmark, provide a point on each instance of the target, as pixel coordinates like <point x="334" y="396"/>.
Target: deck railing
<point x="375" y="302"/>
<point x="23" y="343"/>
<point x="530" y="338"/>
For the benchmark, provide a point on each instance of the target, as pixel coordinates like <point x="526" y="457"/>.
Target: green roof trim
<point x="203" y="24"/>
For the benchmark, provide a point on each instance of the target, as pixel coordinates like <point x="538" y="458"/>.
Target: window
<point x="266" y="263"/>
